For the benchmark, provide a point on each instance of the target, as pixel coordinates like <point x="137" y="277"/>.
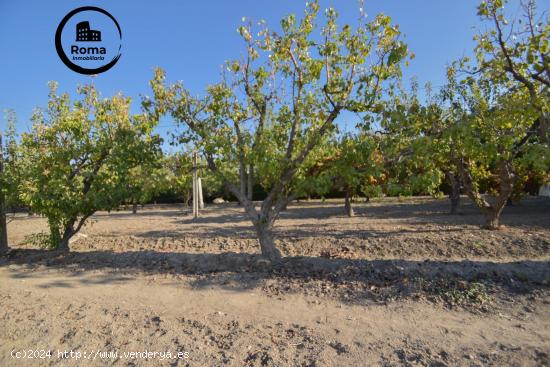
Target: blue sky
<point x="192" y="39"/>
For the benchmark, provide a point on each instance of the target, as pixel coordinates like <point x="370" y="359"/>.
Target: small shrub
<point x="41" y="240"/>
<point x="455" y="292"/>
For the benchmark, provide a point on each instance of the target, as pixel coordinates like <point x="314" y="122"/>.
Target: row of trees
<point x="272" y="122"/>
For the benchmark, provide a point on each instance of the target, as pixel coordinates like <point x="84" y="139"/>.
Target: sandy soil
<point x="402" y="283"/>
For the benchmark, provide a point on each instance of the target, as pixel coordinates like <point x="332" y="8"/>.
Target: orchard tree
<point x="8" y="175"/>
<point x="491" y="134"/>
<point x="180" y="175"/>
<point x="417" y="155"/>
<point x="518" y="50"/>
<point x="294" y="84"/>
<point x="513" y="69"/>
<point x="357" y="167"/>
<point x="78" y="157"/>
<point x="146" y="181"/>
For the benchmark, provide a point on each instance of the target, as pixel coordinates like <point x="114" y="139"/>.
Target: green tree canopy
<point x="78" y="158"/>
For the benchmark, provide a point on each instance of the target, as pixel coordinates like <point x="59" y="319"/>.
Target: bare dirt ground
<point x="402" y="283"/>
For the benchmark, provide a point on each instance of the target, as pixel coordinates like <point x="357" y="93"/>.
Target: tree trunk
<point x="262" y="220"/>
<point x="491" y="212"/>
<point x="250" y="182"/>
<point x="492" y="215"/>
<point x="64" y="245"/>
<point x="134" y="208"/>
<point x="61" y="242"/>
<point x="454" y="195"/>
<point x="347" y="205"/>
<point x="242" y="179"/>
<point x="267" y="243"/>
<point x="543" y="128"/>
<point x="3" y="222"/>
<point x="67" y="235"/>
<point x="3" y="227"/>
<point x="492" y="220"/>
<point x="455" y="203"/>
<point x="187" y="197"/>
<point x="507" y="180"/>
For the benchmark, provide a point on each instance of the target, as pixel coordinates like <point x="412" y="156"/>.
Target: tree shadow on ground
<point x="169" y="212"/>
<point x="304" y="231"/>
<point x="429" y="216"/>
<point x="418" y="216"/>
<point x="349" y="280"/>
<point x="530" y="212"/>
<point x="428" y="211"/>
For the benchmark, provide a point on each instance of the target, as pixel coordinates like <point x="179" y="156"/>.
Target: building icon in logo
<point x="84" y="33"/>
